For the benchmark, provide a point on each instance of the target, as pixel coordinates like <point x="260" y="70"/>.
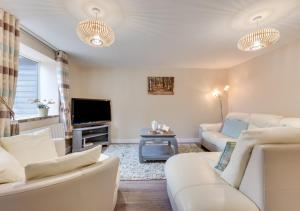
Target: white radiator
<point x="56" y="130"/>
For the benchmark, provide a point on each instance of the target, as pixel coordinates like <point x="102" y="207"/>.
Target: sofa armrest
<point x="60" y="146"/>
<point x="271" y="178"/>
<point x="211" y="127"/>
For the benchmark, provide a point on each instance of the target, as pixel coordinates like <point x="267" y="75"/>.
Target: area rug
<point x="132" y="169"/>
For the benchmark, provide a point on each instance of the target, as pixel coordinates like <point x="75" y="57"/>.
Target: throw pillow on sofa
<point x="30" y="148"/>
<point x="234" y="127"/>
<point x="62" y="164"/>
<point x="225" y="157"/>
<point x="10" y="169"/>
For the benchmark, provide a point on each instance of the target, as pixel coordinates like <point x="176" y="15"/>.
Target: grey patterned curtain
<point x="64" y="91"/>
<point x="9" y="62"/>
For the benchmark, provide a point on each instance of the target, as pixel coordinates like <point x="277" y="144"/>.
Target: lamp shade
<point x="259" y="39"/>
<point x="95" y="33"/>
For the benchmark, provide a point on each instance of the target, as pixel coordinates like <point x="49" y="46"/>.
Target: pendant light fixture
<point x="259" y="39"/>
<point x="95" y="32"/>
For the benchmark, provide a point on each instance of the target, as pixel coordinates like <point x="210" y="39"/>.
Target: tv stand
<point x="87" y="137"/>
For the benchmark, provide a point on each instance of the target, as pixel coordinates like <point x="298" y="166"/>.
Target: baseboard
<point x="136" y="141"/>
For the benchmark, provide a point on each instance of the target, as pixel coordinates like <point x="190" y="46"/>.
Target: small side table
<point x="155" y="146"/>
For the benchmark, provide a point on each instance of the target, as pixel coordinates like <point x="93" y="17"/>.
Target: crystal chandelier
<point x="259" y="39"/>
<point x="95" y="32"/>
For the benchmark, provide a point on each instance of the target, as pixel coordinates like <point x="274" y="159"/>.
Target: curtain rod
<point x="28" y="31"/>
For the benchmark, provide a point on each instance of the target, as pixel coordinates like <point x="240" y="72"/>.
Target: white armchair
<point x="91" y="188"/>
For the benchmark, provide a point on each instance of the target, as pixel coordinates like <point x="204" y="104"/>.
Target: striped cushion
<point x="225" y="157"/>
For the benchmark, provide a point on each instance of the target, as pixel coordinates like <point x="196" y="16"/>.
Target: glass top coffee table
<point x="157" y="146"/>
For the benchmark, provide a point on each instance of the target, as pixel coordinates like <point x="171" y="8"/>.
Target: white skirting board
<point x="136" y="141"/>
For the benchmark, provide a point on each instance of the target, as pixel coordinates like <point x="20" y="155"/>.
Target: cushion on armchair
<point x="10" y="169"/>
<point x="30" y="148"/>
<point x="62" y="164"/>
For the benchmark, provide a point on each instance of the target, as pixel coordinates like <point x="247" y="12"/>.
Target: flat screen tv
<point x="89" y="111"/>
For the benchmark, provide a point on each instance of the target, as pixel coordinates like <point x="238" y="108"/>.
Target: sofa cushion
<point x="235" y="169"/>
<point x="62" y="164"/>
<point x="199" y="164"/>
<point x="290" y="122"/>
<point x="214" y="197"/>
<point x="30" y="148"/>
<point x="234" y="127"/>
<point x="216" y="138"/>
<point x="10" y="169"/>
<point x="225" y="156"/>
<point x="264" y="121"/>
<point x="240" y="116"/>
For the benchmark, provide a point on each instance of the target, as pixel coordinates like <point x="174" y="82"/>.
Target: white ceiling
<point x="160" y="33"/>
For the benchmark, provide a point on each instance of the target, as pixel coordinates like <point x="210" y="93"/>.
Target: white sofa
<point x="270" y="183"/>
<point x="91" y="188"/>
<point x="213" y="140"/>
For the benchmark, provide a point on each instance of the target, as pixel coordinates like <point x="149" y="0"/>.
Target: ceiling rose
<point x="259" y="39"/>
<point x="95" y="32"/>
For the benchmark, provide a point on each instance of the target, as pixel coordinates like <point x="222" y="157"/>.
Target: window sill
<point x="35" y="118"/>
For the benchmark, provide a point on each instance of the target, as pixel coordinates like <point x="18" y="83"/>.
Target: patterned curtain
<point x="64" y="91"/>
<point x="9" y="62"/>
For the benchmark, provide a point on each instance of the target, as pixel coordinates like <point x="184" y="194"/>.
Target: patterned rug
<point x="132" y="169"/>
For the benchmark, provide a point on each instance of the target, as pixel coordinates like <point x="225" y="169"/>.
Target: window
<point x="36" y="80"/>
<point x="27" y="88"/>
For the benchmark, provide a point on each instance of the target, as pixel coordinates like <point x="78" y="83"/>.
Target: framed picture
<point x="161" y="85"/>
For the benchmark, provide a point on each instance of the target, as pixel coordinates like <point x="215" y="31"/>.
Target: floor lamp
<point x="217" y="93"/>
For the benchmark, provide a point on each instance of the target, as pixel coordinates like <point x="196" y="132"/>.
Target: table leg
<point x="141" y="151"/>
<point x="175" y="144"/>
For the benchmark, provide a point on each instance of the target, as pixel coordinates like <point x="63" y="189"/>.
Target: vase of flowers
<point x="43" y="106"/>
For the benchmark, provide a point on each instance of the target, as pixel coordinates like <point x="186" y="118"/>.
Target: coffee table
<point x="156" y="146"/>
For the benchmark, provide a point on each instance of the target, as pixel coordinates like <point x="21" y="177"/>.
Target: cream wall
<point x="268" y="84"/>
<point x="133" y="108"/>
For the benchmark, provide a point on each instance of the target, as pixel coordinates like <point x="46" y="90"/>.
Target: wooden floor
<point x="143" y="196"/>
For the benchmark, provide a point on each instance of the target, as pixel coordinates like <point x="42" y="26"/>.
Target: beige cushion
<point x="62" y="164"/>
<point x="30" y="148"/>
<point x="235" y="169"/>
<point x="290" y="122"/>
<point x="10" y="169"/>
<point x="264" y="121"/>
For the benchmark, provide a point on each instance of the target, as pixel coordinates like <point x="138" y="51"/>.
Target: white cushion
<point x="211" y="127"/>
<point x="290" y="122"/>
<point x="213" y="197"/>
<point x="10" y="169"/>
<point x="216" y="138"/>
<point x="200" y="164"/>
<point x="194" y="185"/>
<point x="236" y="167"/>
<point x="264" y="121"/>
<point x="62" y="164"/>
<point x="30" y="148"/>
<point x="240" y="116"/>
